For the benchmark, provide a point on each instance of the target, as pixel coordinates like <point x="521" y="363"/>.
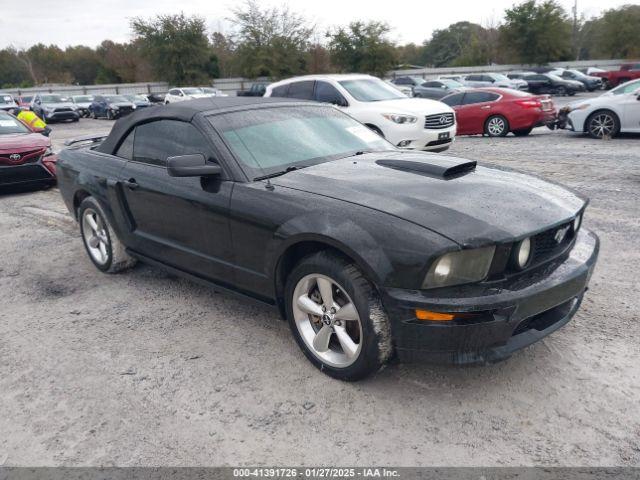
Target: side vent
<point x="445" y="168"/>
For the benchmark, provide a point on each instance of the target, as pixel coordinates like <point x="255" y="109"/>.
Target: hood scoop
<point x="436" y="166"/>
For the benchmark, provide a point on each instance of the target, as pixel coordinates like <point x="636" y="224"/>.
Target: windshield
<point x="371" y="90"/>
<point x="82" y="98"/>
<point x="10" y="124"/>
<point x="452" y="83"/>
<point x="629" y="87"/>
<point x="555" y="77"/>
<point x="6" y="99"/>
<point x="54" y="99"/>
<point x="270" y="140"/>
<point x="115" y="98"/>
<point x="26" y="99"/>
<point x="191" y="91"/>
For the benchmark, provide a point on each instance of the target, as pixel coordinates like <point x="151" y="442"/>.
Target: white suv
<point x="184" y="93"/>
<point x="411" y="123"/>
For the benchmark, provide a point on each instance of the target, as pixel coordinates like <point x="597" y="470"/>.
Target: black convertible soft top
<point x="184" y="111"/>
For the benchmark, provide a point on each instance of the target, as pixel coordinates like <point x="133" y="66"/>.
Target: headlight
<point x="579" y="107"/>
<point x="522" y="253"/>
<point x="400" y="118"/>
<point x="456" y="268"/>
<point x="577" y="222"/>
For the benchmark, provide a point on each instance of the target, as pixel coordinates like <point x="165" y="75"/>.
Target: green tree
<point x="615" y="34"/>
<point x="458" y="44"/>
<point x="537" y="33"/>
<point x="270" y="41"/>
<point x="362" y="47"/>
<point x="82" y="63"/>
<point x="176" y="46"/>
<point x="13" y="72"/>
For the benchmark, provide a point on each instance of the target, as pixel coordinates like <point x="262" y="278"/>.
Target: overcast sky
<point x="88" y="22"/>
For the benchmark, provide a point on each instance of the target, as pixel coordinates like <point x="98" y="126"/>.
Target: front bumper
<point x="65" y="115"/>
<point x="30" y="173"/>
<point x="420" y="138"/>
<point x="514" y="315"/>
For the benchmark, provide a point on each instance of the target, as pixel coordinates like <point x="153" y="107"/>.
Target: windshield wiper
<point x="282" y="172"/>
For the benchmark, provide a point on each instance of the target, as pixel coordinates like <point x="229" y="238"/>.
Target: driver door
<point x="179" y="221"/>
<point x="630" y="121"/>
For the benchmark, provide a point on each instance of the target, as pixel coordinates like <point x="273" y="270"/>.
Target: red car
<point x="24" y="102"/>
<point x="498" y="111"/>
<point x="613" y="78"/>
<point x="25" y="156"/>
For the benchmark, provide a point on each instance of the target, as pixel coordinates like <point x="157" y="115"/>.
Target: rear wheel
<point x="523" y="132"/>
<point x="102" y="244"/>
<point x="496" y="126"/>
<point x="602" y="124"/>
<point x="561" y="91"/>
<point x="336" y="317"/>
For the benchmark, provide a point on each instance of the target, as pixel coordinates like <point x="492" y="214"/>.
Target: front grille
<point x="62" y="110"/>
<point x="30" y="156"/>
<point x="439" y="120"/>
<point x="23" y="173"/>
<point x="546" y="245"/>
<point x="433" y="143"/>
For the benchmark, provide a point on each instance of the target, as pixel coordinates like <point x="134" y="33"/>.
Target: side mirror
<point x="341" y="102"/>
<point x="193" y="165"/>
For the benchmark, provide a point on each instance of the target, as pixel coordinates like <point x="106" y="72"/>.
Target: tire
<point x="103" y="246"/>
<point x="496" y="126"/>
<point x="110" y="115"/>
<point x="523" y="132"/>
<point x="93" y="115"/>
<point x="76" y="119"/>
<point x="561" y="91"/>
<point x="606" y="85"/>
<point x="602" y="124"/>
<point x="571" y="93"/>
<point x="365" y="323"/>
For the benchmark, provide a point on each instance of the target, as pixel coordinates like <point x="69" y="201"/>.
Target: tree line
<point x="277" y="42"/>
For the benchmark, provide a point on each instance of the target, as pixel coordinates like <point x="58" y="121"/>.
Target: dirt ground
<point x="143" y="368"/>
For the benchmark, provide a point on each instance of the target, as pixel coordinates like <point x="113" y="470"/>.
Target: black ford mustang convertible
<point x="367" y="251"/>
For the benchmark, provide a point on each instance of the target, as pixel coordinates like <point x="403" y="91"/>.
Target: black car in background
<point x="110" y="106"/>
<point x="589" y="82"/>
<point x="368" y="251"/>
<point x="552" y="84"/>
<point x="156" y="98"/>
<point x="437" y="89"/>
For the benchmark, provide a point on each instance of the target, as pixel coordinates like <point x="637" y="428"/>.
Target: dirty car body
<point x="426" y="232"/>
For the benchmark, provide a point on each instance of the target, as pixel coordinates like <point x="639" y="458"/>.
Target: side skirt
<point x="206" y="282"/>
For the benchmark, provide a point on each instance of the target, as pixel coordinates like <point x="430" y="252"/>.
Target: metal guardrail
<point x="115" y="88"/>
<point x="231" y="85"/>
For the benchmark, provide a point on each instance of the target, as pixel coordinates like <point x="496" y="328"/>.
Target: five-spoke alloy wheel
<point x="336" y="317"/>
<point x="101" y="242"/>
<point x="327" y="320"/>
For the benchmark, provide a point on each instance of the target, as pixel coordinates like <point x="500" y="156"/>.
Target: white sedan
<point x="180" y="94"/>
<point x="605" y="116"/>
<point x="409" y="123"/>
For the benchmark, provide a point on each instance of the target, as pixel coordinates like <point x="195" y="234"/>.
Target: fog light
<point x="523" y="253"/>
<point x="404" y="143"/>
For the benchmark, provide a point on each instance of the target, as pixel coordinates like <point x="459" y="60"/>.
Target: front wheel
<point x="336" y="317"/>
<point x="561" y="91"/>
<point x="603" y="124"/>
<point x="110" y="115"/>
<point x="100" y="241"/>
<point x="496" y="126"/>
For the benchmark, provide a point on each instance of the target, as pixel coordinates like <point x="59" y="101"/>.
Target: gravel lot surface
<point x="143" y="368"/>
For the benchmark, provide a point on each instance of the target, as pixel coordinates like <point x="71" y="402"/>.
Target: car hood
<point x="18" y="142"/>
<point x="484" y="205"/>
<point x="419" y="106"/>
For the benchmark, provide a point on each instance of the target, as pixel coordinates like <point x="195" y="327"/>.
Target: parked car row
<point x="558" y="83"/>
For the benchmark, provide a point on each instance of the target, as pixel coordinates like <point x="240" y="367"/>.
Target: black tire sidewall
<point x="368" y="360"/>
<point x="90" y="202"/>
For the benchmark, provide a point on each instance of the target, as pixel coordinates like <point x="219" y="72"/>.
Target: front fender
<point x="344" y="235"/>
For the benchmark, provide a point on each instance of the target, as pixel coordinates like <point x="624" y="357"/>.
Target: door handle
<point x="486" y="107"/>
<point x="131" y="184"/>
